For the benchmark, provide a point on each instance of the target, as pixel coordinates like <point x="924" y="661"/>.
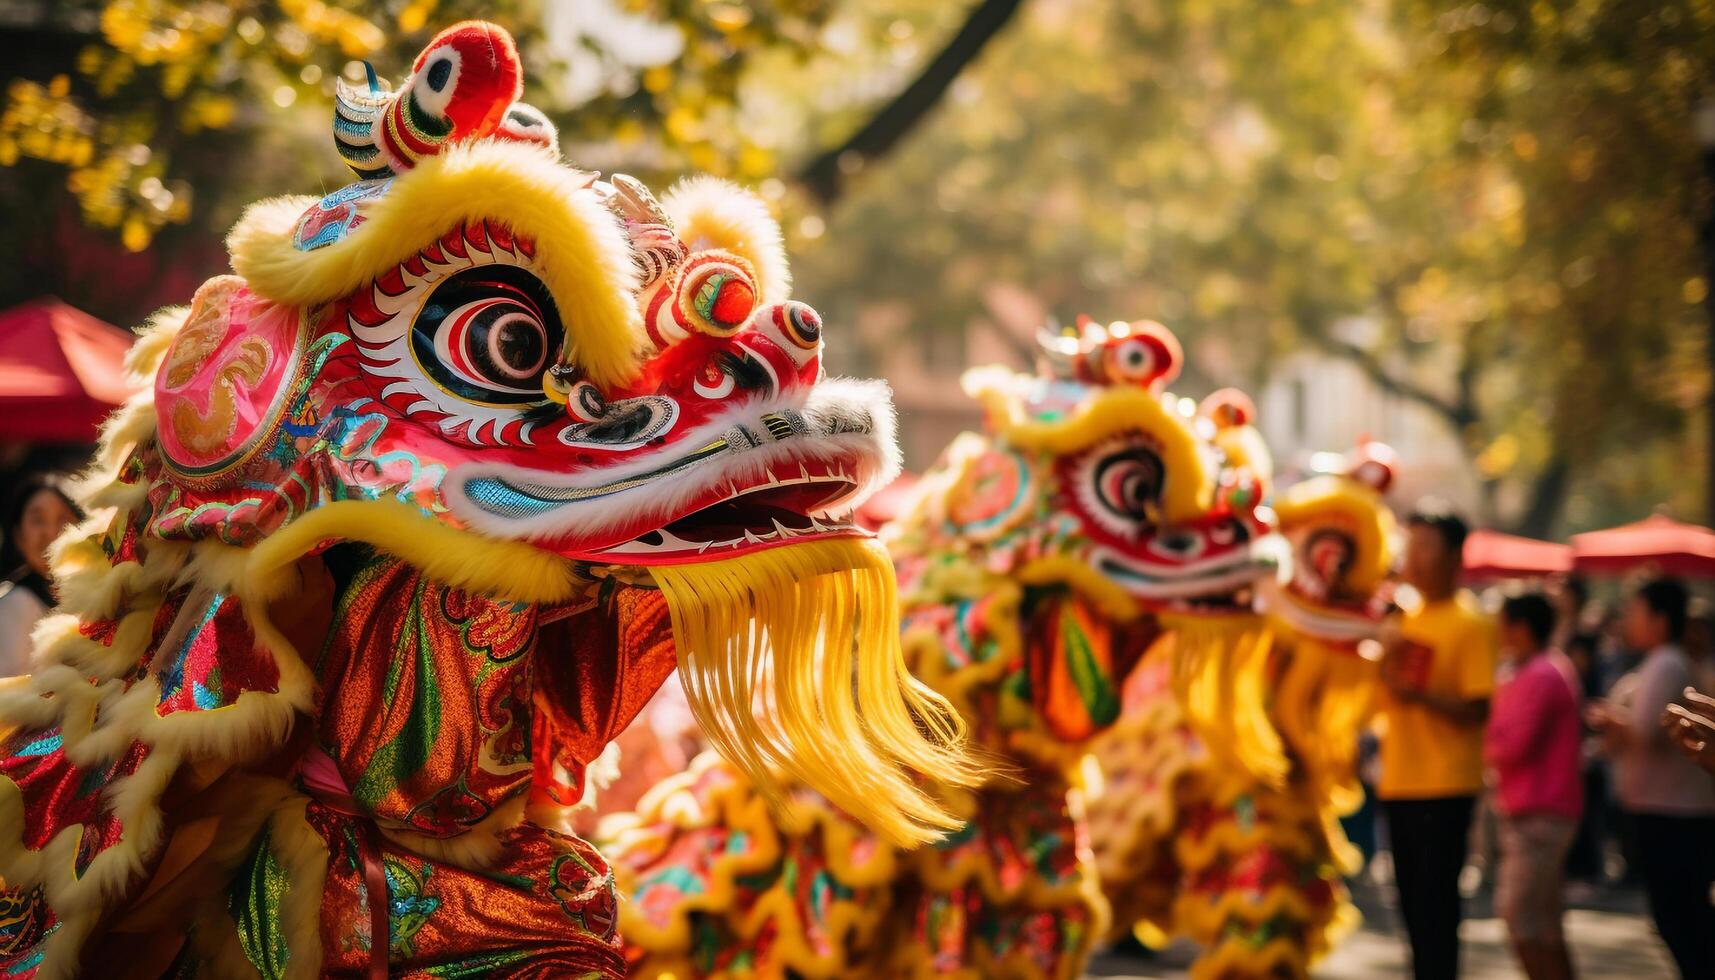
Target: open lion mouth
<point x="766" y="516"/>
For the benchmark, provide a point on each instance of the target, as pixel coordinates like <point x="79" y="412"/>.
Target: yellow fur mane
<point x="582" y="255"/>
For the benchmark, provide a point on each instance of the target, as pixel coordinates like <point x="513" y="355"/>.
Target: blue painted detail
<point x="498" y="498"/>
<point x="346" y="202"/>
<point x="172" y="675"/>
<point x="205" y="698"/>
<point x="46" y="745"/>
<point x="26" y="964"/>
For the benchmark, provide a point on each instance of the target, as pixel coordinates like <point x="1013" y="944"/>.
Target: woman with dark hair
<point x="38" y="510"/>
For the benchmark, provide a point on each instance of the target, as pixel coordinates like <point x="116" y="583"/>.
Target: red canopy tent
<point x="1493" y="555"/>
<point x="60" y="372"/>
<point x="1659" y="541"/>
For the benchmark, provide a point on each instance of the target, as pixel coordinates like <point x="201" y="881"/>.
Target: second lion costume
<point x="1037" y="566"/>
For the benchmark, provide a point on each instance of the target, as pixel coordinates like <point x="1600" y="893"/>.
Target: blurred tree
<point x="1494" y="228"/>
<point x="147" y="114"/>
<point x="1595" y="104"/>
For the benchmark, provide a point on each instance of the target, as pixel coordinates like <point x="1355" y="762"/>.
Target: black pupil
<point x="439" y="72"/>
<point x="520" y="346"/>
<point x="591" y="400"/>
<point x="506" y="343"/>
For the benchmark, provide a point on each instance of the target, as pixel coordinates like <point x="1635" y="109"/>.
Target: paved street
<point x="1611" y="938"/>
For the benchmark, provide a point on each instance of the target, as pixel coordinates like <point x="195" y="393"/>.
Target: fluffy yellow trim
<point x="1235" y="957"/>
<point x="1114" y="602"/>
<point x="510" y="570"/>
<point x="1188" y="487"/>
<point x="688" y="803"/>
<point x="78" y="900"/>
<point x="712" y="213"/>
<point x="970" y="870"/>
<point x="581" y="251"/>
<point x="129" y="427"/>
<point x="153" y="338"/>
<point x="1244" y="447"/>
<point x="1356" y="509"/>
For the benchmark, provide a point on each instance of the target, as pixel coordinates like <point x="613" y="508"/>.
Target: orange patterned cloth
<point x="545" y="909"/>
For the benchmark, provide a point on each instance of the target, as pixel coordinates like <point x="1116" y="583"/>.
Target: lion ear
<point x="710" y="213"/>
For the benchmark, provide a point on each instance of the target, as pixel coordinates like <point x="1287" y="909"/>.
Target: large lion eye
<point x="1128" y="483"/>
<point x="487" y="335"/>
<point x="717" y="294"/>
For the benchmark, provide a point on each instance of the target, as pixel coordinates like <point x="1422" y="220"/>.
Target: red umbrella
<point x="60" y="372"/>
<point x="1659" y="541"/>
<point x="1493" y="555"/>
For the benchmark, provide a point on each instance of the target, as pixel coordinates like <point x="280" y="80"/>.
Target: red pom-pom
<point x="733" y="303"/>
<point x="1374" y="464"/>
<point x="469" y="74"/>
<point x="1228" y="408"/>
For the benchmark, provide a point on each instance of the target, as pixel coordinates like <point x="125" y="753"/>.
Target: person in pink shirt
<point x="1532" y="748"/>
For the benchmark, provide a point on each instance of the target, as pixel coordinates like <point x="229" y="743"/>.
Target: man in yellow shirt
<point x="1438" y="672"/>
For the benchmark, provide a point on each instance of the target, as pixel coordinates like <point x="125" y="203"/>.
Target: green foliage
<point x="1489" y="208"/>
<point x="127" y="123"/>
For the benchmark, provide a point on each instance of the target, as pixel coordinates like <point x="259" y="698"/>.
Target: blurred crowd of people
<point x="1583" y="728"/>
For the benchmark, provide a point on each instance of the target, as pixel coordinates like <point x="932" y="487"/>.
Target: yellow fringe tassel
<point x="1322" y="701"/>
<point x="1221" y="675"/>
<point x="791" y="662"/>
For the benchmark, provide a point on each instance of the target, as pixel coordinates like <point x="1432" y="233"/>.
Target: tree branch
<point x="1547" y="498"/>
<point x="825" y="175"/>
<point x="1458" y="413"/>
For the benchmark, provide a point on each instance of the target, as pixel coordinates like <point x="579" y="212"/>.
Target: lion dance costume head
<point x="418" y="508"/>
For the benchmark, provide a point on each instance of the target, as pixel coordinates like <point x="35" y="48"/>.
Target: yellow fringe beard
<point x="1221" y="676"/>
<point x="791" y="661"/>
<point x="1322" y="701"/>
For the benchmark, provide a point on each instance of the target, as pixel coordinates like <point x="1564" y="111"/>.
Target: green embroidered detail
<point x="255" y="900"/>
<point x="1101" y="702"/>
